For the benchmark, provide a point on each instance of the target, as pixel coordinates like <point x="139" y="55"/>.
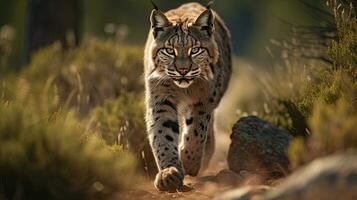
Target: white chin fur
<point x="183" y="84"/>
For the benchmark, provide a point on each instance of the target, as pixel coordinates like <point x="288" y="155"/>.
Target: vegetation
<point x="331" y="101"/>
<point x="121" y="119"/>
<point x="316" y="102"/>
<point x="47" y="132"/>
<point x="46" y="153"/>
<point x="86" y="76"/>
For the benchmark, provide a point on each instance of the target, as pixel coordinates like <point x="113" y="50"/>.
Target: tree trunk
<point x="49" y="21"/>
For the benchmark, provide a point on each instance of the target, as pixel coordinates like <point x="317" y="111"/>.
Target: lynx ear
<point x="158" y="22"/>
<point x="206" y="21"/>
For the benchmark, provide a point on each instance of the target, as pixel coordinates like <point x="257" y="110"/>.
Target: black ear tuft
<point x="210" y="3"/>
<point x="158" y="21"/>
<point x="206" y="21"/>
<point x="154" y="5"/>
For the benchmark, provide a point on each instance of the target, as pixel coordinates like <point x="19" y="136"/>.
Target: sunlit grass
<point x="46" y="153"/>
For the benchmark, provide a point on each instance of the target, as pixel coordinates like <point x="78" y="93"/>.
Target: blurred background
<point x="71" y="89"/>
<point x="253" y="24"/>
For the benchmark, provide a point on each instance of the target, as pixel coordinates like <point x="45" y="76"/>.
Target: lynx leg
<point x="163" y="132"/>
<point x="194" y="138"/>
<point x="210" y="145"/>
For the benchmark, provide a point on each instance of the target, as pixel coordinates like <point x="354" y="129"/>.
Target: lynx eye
<point x="195" y="50"/>
<point x="170" y="51"/>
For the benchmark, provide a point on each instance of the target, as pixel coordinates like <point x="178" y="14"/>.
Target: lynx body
<point x="187" y="70"/>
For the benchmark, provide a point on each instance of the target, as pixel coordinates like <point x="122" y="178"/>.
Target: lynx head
<point x="184" y="49"/>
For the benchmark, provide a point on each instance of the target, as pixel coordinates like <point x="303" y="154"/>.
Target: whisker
<point x="169" y="73"/>
<point x="162" y="80"/>
<point x="194" y="73"/>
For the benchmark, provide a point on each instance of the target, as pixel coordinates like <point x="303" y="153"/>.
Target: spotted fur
<point x="187" y="70"/>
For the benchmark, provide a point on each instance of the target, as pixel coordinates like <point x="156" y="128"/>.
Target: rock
<point x="257" y="147"/>
<point x="330" y="178"/>
<point x="228" y="177"/>
<point x="244" y="193"/>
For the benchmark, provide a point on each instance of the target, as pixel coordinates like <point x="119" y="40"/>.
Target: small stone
<point x="228" y="177"/>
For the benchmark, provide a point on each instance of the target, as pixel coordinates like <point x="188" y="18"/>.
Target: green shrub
<point x="99" y="74"/>
<point x="343" y="49"/>
<point x="287" y="115"/>
<point x="276" y="96"/>
<point x="309" y="98"/>
<point x="121" y="121"/>
<point x="297" y="152"/>
<point x="333" y="127"/>
<point x="47" y="154"/>
<point x="330" y="103"/>
<point x="291" y="108"/>
<point x="86" y="76"/>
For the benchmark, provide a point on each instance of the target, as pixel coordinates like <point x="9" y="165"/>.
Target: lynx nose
<point x="182" y="65"/>
<point x="183" y="71"/>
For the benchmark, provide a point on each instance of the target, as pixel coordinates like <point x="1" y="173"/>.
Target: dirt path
<point x="202" y="187"/>
<point x="198" y="189"/>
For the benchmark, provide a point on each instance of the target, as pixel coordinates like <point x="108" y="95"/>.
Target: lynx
<point x="187" y="69"/>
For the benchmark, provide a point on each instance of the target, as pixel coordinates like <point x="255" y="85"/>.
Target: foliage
<point x="101" y="82"/>
<point x="333" y="127"/>
<point x="330" y="103"/>
<point x="46" y="153"/>
<point x="297" y="152"/>
<point x="121" y="121"/>
<point x="276" y="96"/>
<point x="313" y="100"/>
<point x="343" y="50"/>
<point x="86" y="76"/>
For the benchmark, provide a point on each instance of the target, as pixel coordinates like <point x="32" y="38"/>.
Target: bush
<point x="297" y="152"/>
<point x="121" y="121"/>
<point x="330" y="103"/>
<point x="276" y="96"/>
<point x="100" y="74"/>
<point x="343" y="49"/>
<point x="312" y="99"/>
<point x="86" y="76"/>
<point x="333" y="127"/>
<point x="47" y="154"/>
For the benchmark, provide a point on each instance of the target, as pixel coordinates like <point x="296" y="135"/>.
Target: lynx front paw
<point x="169" y="179"/>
